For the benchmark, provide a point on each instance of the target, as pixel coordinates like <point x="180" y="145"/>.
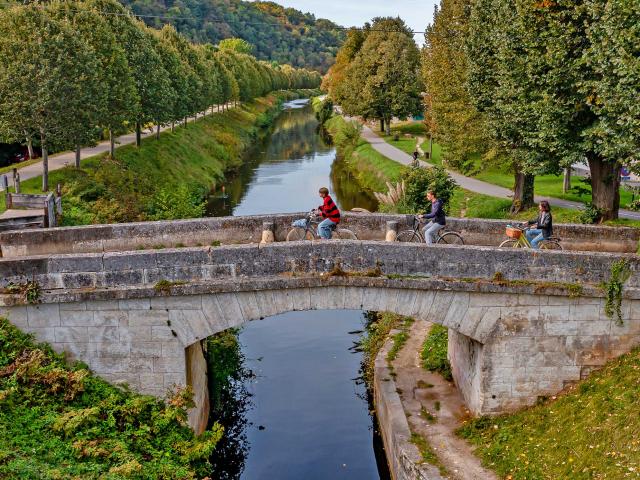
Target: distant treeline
<point x="285" y="35"/>
<point x="71" y="70"/>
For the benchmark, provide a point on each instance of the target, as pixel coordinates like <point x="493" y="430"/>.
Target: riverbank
<point x="60" y="421"/>
<point x="166" y="178"/>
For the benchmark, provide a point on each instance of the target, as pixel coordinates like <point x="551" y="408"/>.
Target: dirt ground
<point x="436" y="422"/>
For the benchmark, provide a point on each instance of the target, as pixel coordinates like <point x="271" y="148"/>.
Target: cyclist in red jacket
<point x="330" y="213"/>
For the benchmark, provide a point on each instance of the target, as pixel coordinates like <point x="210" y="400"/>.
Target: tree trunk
<point x="158" y="132"/>
<point x="112" y="144"/>
<point x="30" y="147"/>
<point x="185" y="121"/>
<point x="522" y="192"/>
<point x="45" y="165"/>
<point x="138" y="134"/>
<point x="173" y="127"/>
<point x="566" y="181"/>
<point x="605" y="186"/>
<point x="382" y="125"/>
<point x="78" y="149"/>
<point x="388" y="125"/>
<point x="431" y="147"/>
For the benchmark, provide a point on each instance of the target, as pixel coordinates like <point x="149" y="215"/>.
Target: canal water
<point x="300" y="410"/>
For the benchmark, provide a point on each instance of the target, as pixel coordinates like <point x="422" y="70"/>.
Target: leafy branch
<point x="620" y="273"/>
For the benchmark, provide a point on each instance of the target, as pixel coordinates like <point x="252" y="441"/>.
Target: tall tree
<point x="44" y="68"/>
<point x="384" y="75"/>
<point x="454" y="121"/>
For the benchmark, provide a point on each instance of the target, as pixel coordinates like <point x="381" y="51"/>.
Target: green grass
<point x="434" y="352"/>
<point x="59" y="421"/>
<point x="591" y="432"/>
<point x="173" y="172"/>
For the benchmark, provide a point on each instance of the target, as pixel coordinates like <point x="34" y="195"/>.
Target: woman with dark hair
<point x="541" y="227"/>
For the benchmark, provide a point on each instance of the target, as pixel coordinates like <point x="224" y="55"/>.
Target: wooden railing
<point x="40" y="210"/>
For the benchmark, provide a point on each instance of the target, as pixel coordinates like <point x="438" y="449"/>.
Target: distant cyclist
<point x="437" y="217"/>
<point x="329" y="212"/>
<point x="542" y="227"/>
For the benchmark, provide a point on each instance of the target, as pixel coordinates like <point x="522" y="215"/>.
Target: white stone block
<point x="44" y="315"/>
<point x="129" y="334"/>
<point x="110" y="318"/>
<point x="135" y="304"/>
<point x="180" y="302"/>
<point x="248" y="305"/>
<point x="302" y="299"/>
<point x="72" y="334"/>
<point x="144" y="318"/>
<point x="79" y="318"/>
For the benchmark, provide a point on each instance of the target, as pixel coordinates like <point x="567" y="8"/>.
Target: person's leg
<point x="430" y="235"/>
<point x="536" y="241"/>
<point x="532" y="233"/>
<point x="425" y="230"/>
<point x="324" y="229"/>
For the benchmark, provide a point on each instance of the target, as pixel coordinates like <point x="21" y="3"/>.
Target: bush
<point x="418" y="180"/>
<point x="323" y="110"/>
<point x="590" y="213"/>
<point x="434" y="352"/>
<point x="175" y="203"/>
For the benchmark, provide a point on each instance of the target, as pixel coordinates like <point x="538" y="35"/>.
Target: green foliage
<point x="377" y="76"/>
<point x="378" y="327"/>
<point x="237" y="45"/>
<point x="590" y="432"/>
<point x="620" y="273"/>
<point x="29" y="291"/>
<point x="279" y="34"/>
<point x="418" y="181"/>
<point x="451" y="116"/>
<point x="323" y="110"/>
<point x="434" y="352"/>
<point x="589" y="213"/>
<point x="175" y="203"/>
<point x="58" y="421"/>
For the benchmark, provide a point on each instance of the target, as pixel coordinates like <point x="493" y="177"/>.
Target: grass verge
<point x="434" y="352"/>
<point x="590" y="432"/>
<point x="59" y="421"/>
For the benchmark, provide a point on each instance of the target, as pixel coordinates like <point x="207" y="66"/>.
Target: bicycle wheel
<point x="297" y="234"/>
<point x="409" y="236"/>
<point x="344" y="234"/>
<point x="511" y="244"/>
<point x="451" y="238"/>
<point x="550" y="245"/>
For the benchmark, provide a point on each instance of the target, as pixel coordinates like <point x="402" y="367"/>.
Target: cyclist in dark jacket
<point x="542" y="227"/>
<point x="437" y="217"/>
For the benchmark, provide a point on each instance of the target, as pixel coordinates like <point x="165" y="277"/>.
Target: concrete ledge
<point x="248" y="229"/>
<point x="404" y="458"/>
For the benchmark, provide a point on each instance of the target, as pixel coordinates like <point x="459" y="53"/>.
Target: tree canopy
<point x="70" y="69"/>
<point x="277" y="33"/>
<point x="377" y="74"/>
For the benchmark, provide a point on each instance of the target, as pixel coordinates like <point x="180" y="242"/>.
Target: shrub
<point x="418" y="180"/>
<point x="179" y="202"/>
<point x="590" y="213"/>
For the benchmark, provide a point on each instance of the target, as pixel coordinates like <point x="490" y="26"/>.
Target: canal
<point x="296" y="406"/>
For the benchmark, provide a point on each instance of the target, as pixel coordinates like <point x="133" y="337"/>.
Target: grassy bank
<point x="371" y="168"/>
<point x="59" y="421"/>
<point x="590" y="432"/>
<point x="165" y="178"/>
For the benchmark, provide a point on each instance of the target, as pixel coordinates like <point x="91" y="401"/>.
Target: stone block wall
<point x="239" y="230"/>
<point x="466" y="359"/>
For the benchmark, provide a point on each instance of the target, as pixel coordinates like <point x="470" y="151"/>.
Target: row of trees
<point x="550" y="84"/>
<point x="70" y="70"/>
<point x="377" y="72"/>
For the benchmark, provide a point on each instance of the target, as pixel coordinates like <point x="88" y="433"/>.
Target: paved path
<point x="64" y="159"/>
<point x="469" y="183"/>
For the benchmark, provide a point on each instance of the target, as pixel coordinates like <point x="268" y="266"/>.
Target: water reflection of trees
<point x="348" y="191"/>
<point x="229" y="400"/>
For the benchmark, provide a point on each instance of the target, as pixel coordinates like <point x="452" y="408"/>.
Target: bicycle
<point x="310" y="229"/>
<point x="414" y="235"/>
<point x="517" y="239"/>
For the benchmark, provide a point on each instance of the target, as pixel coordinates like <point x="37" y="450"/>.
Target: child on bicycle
<point x="329" y="212"/>
<point x="542" y="227"/>
<point x="438" y="218"/>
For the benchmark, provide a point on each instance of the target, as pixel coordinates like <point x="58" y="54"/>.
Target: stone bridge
<point x="522" y="324"/>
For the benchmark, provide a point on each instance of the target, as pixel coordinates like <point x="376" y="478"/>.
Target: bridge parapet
<point x="237" y="230"/>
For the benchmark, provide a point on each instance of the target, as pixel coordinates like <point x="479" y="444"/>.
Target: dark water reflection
<point x="285" y="172"/>
<point x="304" y="413"/>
